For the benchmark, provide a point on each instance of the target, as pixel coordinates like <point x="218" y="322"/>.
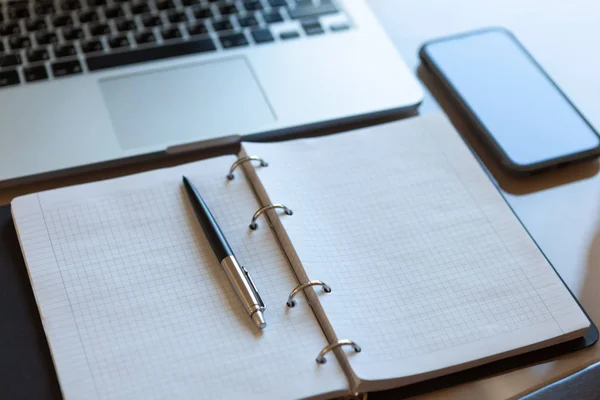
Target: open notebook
<point x="430" y="272"/>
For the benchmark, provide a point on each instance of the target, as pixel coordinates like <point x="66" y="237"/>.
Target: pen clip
<point x="251" y="282"/>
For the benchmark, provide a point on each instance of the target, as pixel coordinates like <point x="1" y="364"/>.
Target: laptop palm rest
<point x="186" y="104"/>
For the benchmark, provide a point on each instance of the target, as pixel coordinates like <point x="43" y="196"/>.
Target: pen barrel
<point x="207" y="221"/>
<point x="243" y="285"/>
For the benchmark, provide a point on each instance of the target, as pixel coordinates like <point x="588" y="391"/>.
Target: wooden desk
<point x="562" y="209"/>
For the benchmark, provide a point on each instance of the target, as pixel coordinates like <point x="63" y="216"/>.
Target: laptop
<point x="90" y="83"/>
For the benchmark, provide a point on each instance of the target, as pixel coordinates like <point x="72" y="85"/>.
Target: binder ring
<point x="344" y="342"/>
<point x="254" y="225"/>
<point x="291" y="302"/>
<point x="242" y="160"/>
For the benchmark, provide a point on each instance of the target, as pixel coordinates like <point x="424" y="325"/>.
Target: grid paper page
<point x="429" y="267"/>
<point x="135" y="304"/>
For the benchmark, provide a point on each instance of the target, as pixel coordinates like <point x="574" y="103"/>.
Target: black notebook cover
<point x="28" y="371"/>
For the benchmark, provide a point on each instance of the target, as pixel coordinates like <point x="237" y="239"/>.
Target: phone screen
<point x="518" y="105"/>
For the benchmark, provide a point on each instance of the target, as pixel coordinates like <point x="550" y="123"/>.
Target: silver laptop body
<point x="175" y="72"/>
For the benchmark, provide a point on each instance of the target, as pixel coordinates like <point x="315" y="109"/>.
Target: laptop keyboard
<point x="46" y="39"/>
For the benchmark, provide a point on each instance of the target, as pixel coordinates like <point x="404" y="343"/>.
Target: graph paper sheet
<point x="136" y="306"/>
<point x="430" y="270"/>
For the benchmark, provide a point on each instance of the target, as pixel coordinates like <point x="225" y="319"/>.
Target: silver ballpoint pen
<point x="238" y="275"/>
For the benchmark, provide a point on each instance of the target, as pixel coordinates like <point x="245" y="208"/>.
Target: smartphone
<point x="526" y="121"/>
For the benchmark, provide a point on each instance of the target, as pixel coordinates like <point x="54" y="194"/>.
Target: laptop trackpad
<point x="186" y="103"/>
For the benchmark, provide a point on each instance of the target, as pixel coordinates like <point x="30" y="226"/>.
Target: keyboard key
<point x="44" y="8"/>
<point x="70" y="33"/>
<point x="164" y="4"/>
<point x="312" y="28"/>
<point x="66" y="68"/>
<point x="197" y="29"/>
<point x="252" y="5"/>
<point x="88" y="16"/>
<point x="277" y="3"/>
<point x="150" y="21"/>
<point x="62" y="20"/>
<point x="339" y="27"/>
<point x="125" y="25"/>
<point x="247" y="21"/>
<point x="272" y="16"/>
<point x="69" y="5"/>
<point x="140" y="8"/>
<point x="222" y="25"/>
<point x="91" y="46"/>
<point x="289" y="35"/>
<point x="187" y="3"/>
<point x="15" y="3"/>
<point x="145" y="37"/>
<point x="9" y="60"/>
<point x="312" y="11"/>
<point x="175" y="17"/>
<point x="153" y="53"/>
<point x="99" y="29"/>
<point x="9" y="28"/>
<point x="172" y="32"/>
<point x="67" y="50"/>
<point x="36" y="24"/>
<point x="9" y="78"/>
<point x="201" y="13"/>
<point x="95" y="3"/>
<point x="229" y="40"/>
<point x="114" y="12"/>
<point x="118" y="42"/>
<point x="262" y="35"/>
<point x="46" y="37"/>
<point x="17" y="11"/>
<point x="19" y="42"/>
<point x="228" y="9"/>
<point x="37" y="55"/>
<point x="37" y="73"/>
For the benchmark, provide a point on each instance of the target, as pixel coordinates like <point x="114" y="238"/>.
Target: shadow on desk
<point x="588" y="294"/>
<point x="508" y="183"/>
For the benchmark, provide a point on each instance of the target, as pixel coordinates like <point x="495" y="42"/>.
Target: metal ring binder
<point x="240" y="161"/>
<point x="344" y="342"/>
<point x="291" y="302"/>
<point x="254" y="225"/>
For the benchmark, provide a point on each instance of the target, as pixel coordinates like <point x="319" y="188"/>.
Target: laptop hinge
<point x="205" y="145"/>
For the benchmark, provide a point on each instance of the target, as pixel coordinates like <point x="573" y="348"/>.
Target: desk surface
<point x="561" y="210"/>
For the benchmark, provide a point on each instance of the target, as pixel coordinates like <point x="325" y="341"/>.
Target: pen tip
<point x="259" y="319"/>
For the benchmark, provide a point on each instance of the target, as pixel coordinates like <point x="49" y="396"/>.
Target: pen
<point x="238" y="276"/>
